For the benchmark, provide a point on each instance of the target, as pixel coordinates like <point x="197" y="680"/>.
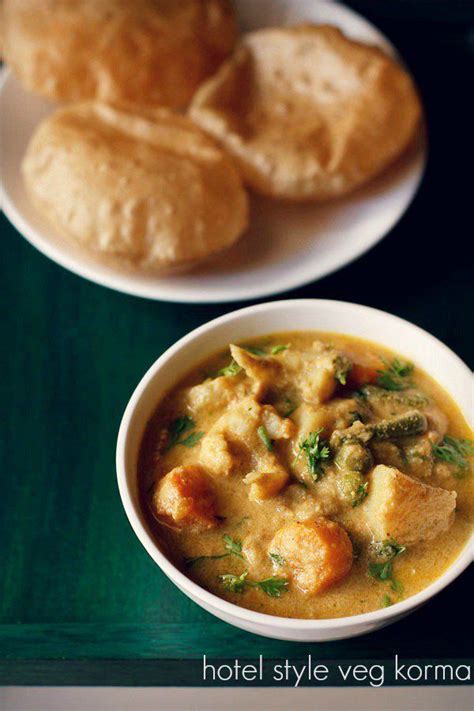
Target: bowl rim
<point x="211" y="601"/>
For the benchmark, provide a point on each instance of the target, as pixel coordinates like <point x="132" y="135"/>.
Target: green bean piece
<point x="354" y="457"/>
<point x="407" y="425"/>
<point x="349" y="484"/>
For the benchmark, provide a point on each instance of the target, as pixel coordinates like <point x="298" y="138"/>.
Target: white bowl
<point x="285" y="247"/>
<point x="308" y="314"/>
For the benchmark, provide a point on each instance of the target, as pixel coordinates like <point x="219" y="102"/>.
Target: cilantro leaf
<point x="232" y="548"/>
<point x="316" y="451"/>
<point x="273" y="587"/>
<point x="455" y="451"/>
<point x="232" y="369"/>
<point x="343" y="368"/>
<point x="264" y="436"/>
<point x="191" y="440"/>
<point x="279" y="349"/>
<point x="392" y="377"/>
<point x="234" y="583"/>
<point x="360" y="494"/>
<point x="178" y="427"/>
<point x="277" y="558"/>
<point x="255" y="350"/>
<point x="386" y="551"/>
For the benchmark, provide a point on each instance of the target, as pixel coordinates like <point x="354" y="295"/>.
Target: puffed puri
<point x="148" y="188"/>
<point x="307" y="113"/>
<point x="145" y="52"/>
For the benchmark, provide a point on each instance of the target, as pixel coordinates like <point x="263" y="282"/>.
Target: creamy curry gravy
<point x="262" y="482"/>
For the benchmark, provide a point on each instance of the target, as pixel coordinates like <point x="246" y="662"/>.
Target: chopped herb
<point x="392" y="377"/>
<point x="273" y="587"/>
<point x="279" y="349"/>
<point x="261" y="352"/>
<point x="232" y="369"/>
<point x="455" y="451"/>
<point x="234" y="583"/>
<point x="402" y="368"/>
<point x="277" y="558"/>
<point x="189" y="562"/>
<point x="232" y="548"/>
<point x="387" y="601"/>
<point x="343" y="368"/>
<point x="177" y="428"/>
<point x="355" y="417"/>
<point x="397" y="586"/>
<point x="191" y="440"/>
<point x="387" y="551"/>
<point x="360" y="494"/>
<point x="290" y="407"/>
<point x="264" y="436"/>
<point x="316" y="451"/>
<point x="254" y="350"/>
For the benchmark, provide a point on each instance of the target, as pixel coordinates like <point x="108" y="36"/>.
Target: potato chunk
<point x="317" y="554"/>
<point x="212" y="395"/>
<point x="311" y="374"/>
<point x="185" y="498"/>
<point x="405" y="509"/>
<point x="237" y="444"/>
<point x="265" y="372"/>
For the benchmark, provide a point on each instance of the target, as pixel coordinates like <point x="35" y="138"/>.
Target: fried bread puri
<point x="149" y="188"/>
<point x="145" y="52"/>
<point x="307" y="113"/>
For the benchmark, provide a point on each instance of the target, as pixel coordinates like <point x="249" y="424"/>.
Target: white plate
<point x="285" y="247"/>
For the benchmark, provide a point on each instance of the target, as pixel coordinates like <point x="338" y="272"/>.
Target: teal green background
<point x="75" y="583"/>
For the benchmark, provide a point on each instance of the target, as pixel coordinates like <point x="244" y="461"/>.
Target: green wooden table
<point x="80" y="600"/>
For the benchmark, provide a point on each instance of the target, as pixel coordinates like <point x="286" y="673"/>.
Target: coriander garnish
<point x="316" y="451"/>
<point x="387" y="551"/>
<point x="232" y="548"/>
<point x="361" y="493"/>
<point x="387" y="601"/>
<point x="455" y="451"/>
<point x="264" y="436"/>
<point x="261" y="352"/>
<point x="343" y="368"/>
<point x="273" y="587"/>
<point x="234" y="583"/>
<point x="279" y="349"/>
<point x="277" y="558"/>
<point x="192" y="439"/>
<point x="392" y="377"/>
<point x="232" y="369"/>
<point x="177" y="428"/>
<point x="254" y="350"/>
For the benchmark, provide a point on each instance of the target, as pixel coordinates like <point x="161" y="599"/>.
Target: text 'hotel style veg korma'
<point x="309" y="475"/>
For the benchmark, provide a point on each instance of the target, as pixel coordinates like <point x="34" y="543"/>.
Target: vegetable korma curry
<point x="309" y="475"/>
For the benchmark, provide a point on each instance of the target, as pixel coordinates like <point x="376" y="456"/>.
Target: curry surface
<point x="253" y="524"/>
